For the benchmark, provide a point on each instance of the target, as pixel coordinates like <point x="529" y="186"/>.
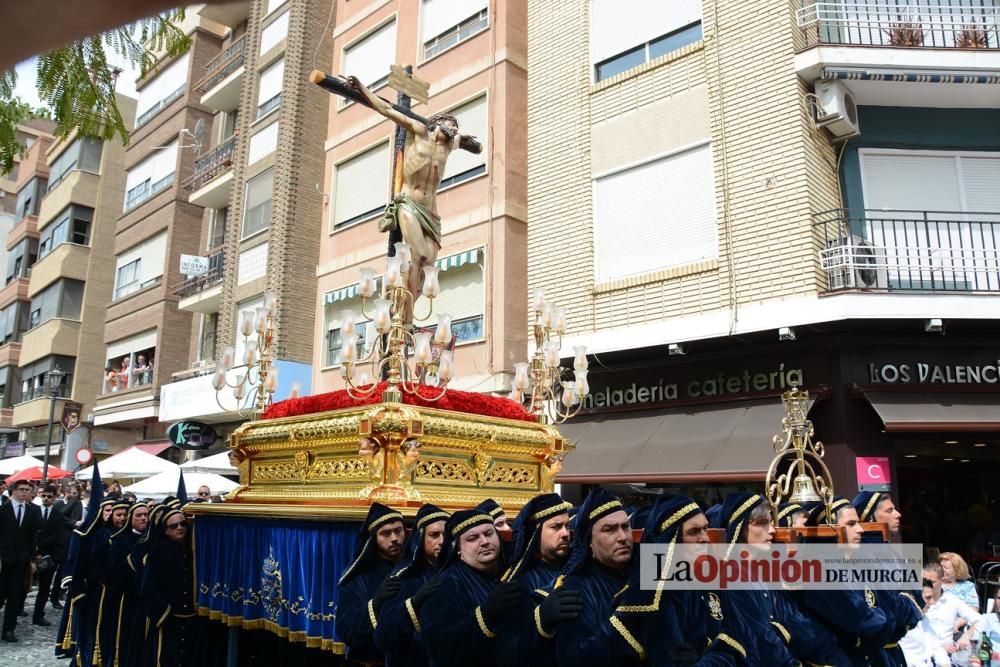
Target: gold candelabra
<point x="254" y="387"/>
<point x="389" y="336"/>
<point x="539" y="384"/>
<point x="806" y="477"/>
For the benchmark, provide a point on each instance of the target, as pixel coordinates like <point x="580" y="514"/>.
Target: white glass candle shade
<point x="271" y="303"/>
<point x="382" y="317"/>
<point x="569" y="394"/>
<point x="348" y="348"/>
<point x="219" y="380"/>
<point x="271" y="384"/>
<point x="228" y="358"/>
<point x="422" y="347"/>
<point x="239" y="389"/>
<point x="260" y="320"/>
<point x="403" y="252"/>
<point x="522" y="382"/>
<point x="547" y="316"/>
<point x="250" y="353"/>
<point x="442" y="335"/>
<point x="295" y="390"/>
<point x="552" y="355"/>
<point x="582" y="385"/>
<point x="580" y="362"/>
<point x="246" y="322"/>
<point x="348" y="323"/>
<point x="538" y="300"/>
<point x="446" y="365"/>
<point x="366" y="286"/>
<point x="559" y="321"/>
<point x="432" y="287"/>
<point x="394" y="272"/>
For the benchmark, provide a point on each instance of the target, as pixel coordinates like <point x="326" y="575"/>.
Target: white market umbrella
<point x="133" y="463"/>
<point x="18" y="463"/>
<point x="165" y="484"/>
<point x="216" y="463"/>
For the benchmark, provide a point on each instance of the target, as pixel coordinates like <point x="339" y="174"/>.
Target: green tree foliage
<point x="77" y="83"/>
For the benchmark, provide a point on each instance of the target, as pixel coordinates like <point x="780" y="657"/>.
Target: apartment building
<point x="257" y="184"/>
<point x="731" y="202"/>
<point x="473" y="56"/>
<point x="58" y="285"/>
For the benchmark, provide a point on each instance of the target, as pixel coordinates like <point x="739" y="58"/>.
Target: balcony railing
<point x="929" y="251"/>
<point x="967" y="24"/>
<point x="222" y="65"/>
<point x="195" y="284"/>
<point x="218" y="161"/>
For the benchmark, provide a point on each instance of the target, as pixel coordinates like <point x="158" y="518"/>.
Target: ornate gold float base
<point x="312" y="467"/>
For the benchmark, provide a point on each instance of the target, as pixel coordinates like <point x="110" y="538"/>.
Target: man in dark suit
<point x="72" y="509"/>
<point x="53" y="541"/>
<point x="19" y="523"/>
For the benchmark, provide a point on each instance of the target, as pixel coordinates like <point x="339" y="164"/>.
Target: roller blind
<point x="362" y="184"/>
<point x="168" y="81"/>
<point x="656" y="215"/>
<point x="981" y="178"/>
<point x="152" y="252"/>
<point x="896" y="181"/>
<point x="274" y="33"/>
<point x="270" y="82"/>
<point x="615" y="27"/>
<point x="143" y="341"/>
<point x="462" y="293"/>
<point x="438" y="16"/>
<point x="157" y="166"/>
<point x="473" y="119"/>
<point x="369" y="59"/>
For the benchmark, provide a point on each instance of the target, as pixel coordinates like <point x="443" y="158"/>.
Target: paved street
<point x="36" y="645"/>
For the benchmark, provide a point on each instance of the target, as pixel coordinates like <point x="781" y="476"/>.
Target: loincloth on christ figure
<point x="430" y="222"/>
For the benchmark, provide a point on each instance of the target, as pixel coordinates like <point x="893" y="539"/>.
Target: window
<point x="10" y="386"/>
<point x="151" y="176"/>
<point x="209" y="334"/>
<point x="269" y="92"/>
<point x="619" y="42"/>
<point x="274" y="4"/>
<point x="82" y="154"/>
<point x="472" y="120"/>
<point x="34" y="377"/>
<point x="445" y="23"/>
<point x="369" y="58"/>
<point x="21" y="258"/>
<point x="129" y="362"/>
<point x="362" y="186"/>
<point x="462" y="296"/>
<point x="14" y="321"/>
<point x="71" y="226"/>
<point x="630" y="241"/>
<point x="334" y="342"/>
<point x="274" y="33"/>
<point x="141" y="266"/>
<point x="161" y="91"/>
<point x="61" y="299"/>
<point x="29" y="196"/>
<point x="257" y="210"/>
<point x="263" y="143"/>
<point x="217" y="236"/>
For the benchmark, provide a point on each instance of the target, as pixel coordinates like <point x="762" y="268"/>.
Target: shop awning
<point x="154" y="448"/>
<point x="941" y="411"/>
<point x="721" y="442"/>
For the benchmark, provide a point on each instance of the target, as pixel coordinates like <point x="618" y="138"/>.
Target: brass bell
<point x="803" y="490"/>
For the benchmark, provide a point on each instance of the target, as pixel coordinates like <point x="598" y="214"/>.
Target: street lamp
<point x="54" y="379"/>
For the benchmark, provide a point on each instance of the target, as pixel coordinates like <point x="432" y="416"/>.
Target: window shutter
<point x="362" y="183"/>
<point x="169" y="80"/>
<point x="981" y="177"/>
<point x="461" y="296"/>
<point x="656" y="215"/>
<point x="473" y="119"/>
<point x="274" y="33"/>
<point x="614" y="28"/>
<point x="440" y="15"/>
<point x="138" y="174"/>
<point x="164" y="162"/>
<point x="154" y="256"/>
<point x="369" y="59"/>
<point x="143" y="341"/>
<point x="897" y="181"/>
<point x="270" y="82"/>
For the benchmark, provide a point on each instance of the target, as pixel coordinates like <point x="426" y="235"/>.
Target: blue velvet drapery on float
<point x="273" y="575"/>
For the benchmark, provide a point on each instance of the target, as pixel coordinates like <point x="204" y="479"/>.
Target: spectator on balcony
<point x="142" y="371"/>
<point x="110" y="380"/>
<point x="123" y="374"/>
<point x="956" y="579"/>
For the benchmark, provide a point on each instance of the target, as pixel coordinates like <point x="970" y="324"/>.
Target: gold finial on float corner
<point x="806" y="479"/>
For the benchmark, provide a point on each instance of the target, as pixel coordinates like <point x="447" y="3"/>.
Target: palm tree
<point x="77" y="82"/>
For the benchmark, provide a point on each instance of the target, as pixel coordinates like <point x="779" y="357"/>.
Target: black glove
<point x="389" y="588"/>
<point x="425" y="592"/>
<point x="562" y="604"/>
<point x="502" y="599"/>
<point x="683" y="655"/>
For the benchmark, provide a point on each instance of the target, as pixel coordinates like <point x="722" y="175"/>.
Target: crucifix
<point x="421" y="149"/>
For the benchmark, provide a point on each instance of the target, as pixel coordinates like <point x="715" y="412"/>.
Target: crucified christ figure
<point x="414" y="208"/>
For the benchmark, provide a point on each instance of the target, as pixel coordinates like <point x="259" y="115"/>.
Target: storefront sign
<point x="925" y="373"/>
<point x="193" y="265"/>
<point x="14" y="448"/>
<point x="873" y="473"/>
<point x="192" y="435"/>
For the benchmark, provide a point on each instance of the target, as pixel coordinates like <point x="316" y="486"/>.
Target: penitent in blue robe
<point x="396" y="636"/>
<point x="451" y="631"/>
<point x="854" y="621"/>
<point x="590" y="638"/>
<point x="355" y="626"/>
<point x="519" y="642"/>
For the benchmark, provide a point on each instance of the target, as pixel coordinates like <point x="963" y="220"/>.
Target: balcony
<point x="68" y="260"/>
<point x="202" y="294"/>
<point x="895" y="53"/>
<point x="223" y="78"/>
<point x="55" y="336"/>
<point x="229" y="14"/>
<point x="15" y="290"/>
<point x="6" y="418"/>
<point x="10" y="354"/>
<point x="26" y="227"/>
<point x="909" y="251"/>
<point x="212" y="181"/>
<point x="34" y="410"/>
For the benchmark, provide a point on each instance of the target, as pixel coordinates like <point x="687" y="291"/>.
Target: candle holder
<point x="386" y="349"/>
<point x="539" y="383"/>
<point x="254" y="387"/>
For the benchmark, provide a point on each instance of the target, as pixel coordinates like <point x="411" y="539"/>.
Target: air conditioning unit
<point x="837" y="111"/>
<point x="851" y="262"/>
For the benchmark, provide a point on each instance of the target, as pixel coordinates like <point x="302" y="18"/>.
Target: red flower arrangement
<point x="457" y="401"/>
